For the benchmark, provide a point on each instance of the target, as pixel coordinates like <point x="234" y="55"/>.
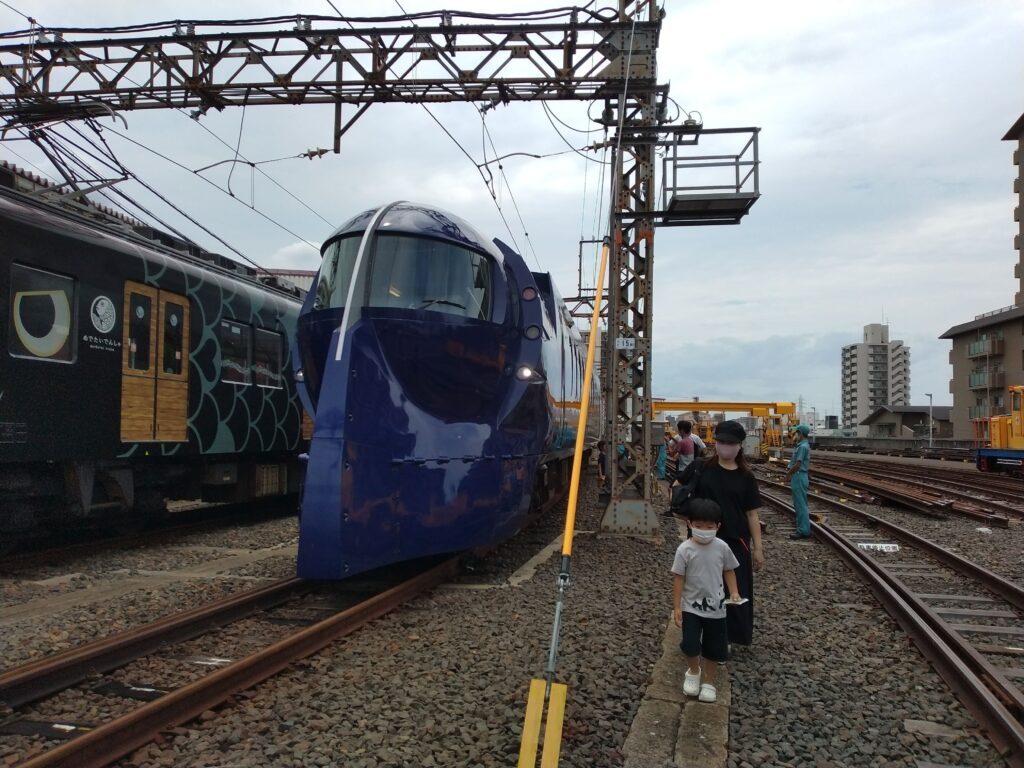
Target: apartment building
<point x="875" y="372"/>
<point x="988" y="351"/>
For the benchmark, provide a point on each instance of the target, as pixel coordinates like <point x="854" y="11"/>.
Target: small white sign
<point x="625" y="343"/>
<point x="870" y="545"/>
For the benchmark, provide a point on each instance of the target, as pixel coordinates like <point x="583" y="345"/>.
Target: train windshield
<point x="411" y="273"/>
<point x="336" y="273"/>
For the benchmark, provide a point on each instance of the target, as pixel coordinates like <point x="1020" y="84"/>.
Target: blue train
<point x="445" y="380"/>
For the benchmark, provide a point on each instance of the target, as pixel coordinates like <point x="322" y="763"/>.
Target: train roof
<point x="33" y="199"/>
<point x="422" y="220"/>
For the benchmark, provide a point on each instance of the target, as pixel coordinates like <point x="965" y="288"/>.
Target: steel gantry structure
<point x="352" y="63"/>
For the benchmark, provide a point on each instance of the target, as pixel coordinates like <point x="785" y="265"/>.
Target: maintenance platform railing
<point x="721" y="184"/>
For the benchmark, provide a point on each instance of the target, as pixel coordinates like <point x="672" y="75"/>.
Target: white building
<point x="875" y="372"/>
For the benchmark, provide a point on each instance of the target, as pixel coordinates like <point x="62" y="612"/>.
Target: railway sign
<point x="877" y="547"/>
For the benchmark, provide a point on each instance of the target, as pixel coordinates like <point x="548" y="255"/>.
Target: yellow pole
<point x="540" y="690"/>
<point x="581" y="429"/>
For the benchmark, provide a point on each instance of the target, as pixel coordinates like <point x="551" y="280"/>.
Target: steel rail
<point x="914" y="501"/>
<point x="955" y="478"/>
<point x="117" y="738"/>
<point x="26" y="683"/>
<point x="957" y="490"/>
<point x="1006" y="589"/>
<point x="984" y="691"/>
<point x="919" y="481"/>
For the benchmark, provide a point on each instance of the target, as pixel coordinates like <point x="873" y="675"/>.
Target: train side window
<point x="174" y="317"/>
<point x="267" y="359"/>
<point x="41" y="321"/>
<point x="235" y="352"/>
<point x="139" y="309"/>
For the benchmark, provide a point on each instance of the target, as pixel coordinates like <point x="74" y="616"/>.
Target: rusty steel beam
<point x="75" y="73"/>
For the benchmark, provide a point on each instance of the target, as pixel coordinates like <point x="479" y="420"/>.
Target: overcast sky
<point x="887" y="193"/>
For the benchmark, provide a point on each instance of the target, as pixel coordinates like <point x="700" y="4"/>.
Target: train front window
<point x="336" y="273"/>
<point x="419" y="273"/>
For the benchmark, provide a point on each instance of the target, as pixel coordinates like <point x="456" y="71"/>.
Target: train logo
<point x="42" y="321"/>
<point x="103" y="314"/>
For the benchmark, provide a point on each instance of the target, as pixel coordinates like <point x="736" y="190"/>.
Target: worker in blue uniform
<point x="797" y="476"/>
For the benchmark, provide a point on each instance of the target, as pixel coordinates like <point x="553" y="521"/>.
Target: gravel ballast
<point x="830" y="681"/>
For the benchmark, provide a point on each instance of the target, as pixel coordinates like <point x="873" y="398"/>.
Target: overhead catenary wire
<point x="511" y="195"/>
<point x="237" y="154"/>
<point x="51" y="139"/>
<point x="213" y="184"/>
<point x="548" y="14"/>
<point x="567" y="143"/>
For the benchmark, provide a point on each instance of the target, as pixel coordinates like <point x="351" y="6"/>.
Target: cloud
<point x="886" y="191"/>
<point x="294" y="256"/>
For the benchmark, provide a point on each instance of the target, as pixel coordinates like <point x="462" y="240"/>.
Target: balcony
<point x="987" y="380"/>
<point x="985" y="347"/>
<point x="979" y="412"/>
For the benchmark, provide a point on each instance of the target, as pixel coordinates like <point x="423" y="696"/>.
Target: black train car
<point x="137" y="368"/>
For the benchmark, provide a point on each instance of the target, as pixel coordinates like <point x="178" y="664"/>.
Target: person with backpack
<point x="726" y="479"/>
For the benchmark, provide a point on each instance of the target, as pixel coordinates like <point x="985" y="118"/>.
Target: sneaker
<point x="799" y="536"/>
<point x="708" y="694"/>
<point x="691" y="683"/>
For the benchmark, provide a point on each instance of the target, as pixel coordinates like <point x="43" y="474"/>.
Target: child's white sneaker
<point x="691" y="683"/>
<point x="708" y="694"/>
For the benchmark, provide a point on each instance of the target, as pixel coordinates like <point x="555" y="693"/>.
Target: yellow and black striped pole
<point x="546" y="690"/>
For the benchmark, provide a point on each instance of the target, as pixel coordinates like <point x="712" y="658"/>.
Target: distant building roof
<point x="985" y="320"/>
<point x="939" y="412"/>
<point x="302" y="272"/>
<point x="1016" y="130"/>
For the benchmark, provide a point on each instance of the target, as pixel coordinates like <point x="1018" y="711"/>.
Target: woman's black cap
<point x="730" y="431"/>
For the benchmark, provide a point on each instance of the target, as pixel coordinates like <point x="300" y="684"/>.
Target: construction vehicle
<point x="1005" y="451"/>
<point x="774" y="419"/>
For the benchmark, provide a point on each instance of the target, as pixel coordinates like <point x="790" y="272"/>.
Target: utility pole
<point x="931" y="430"/>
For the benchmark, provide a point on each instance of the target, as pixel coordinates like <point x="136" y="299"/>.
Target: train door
<point x="154" y="367"/>
<point x="172" y="371"/>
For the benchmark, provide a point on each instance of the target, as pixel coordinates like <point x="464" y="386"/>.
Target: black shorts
<point x="705" y="637"/>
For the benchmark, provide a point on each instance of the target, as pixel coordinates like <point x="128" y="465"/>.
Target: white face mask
<point x="727" y="452"/>
<point x="702" y="535"/>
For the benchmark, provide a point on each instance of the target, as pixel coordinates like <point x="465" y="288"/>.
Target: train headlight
<point x="532" y="332"/>
<point x="299" y="375"/>
<point x="529" y="293"/>
<point x="529" y="375"/>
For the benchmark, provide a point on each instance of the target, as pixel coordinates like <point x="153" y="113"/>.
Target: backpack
<point x="682" y="493"/>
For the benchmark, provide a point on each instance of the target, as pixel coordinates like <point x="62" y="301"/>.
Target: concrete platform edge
<point x="672" y="731"/>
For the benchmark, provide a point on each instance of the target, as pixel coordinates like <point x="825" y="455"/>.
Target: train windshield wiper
<point x="428" y="302"/>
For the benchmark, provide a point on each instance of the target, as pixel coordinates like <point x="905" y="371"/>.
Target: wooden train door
<point x="154" y="365"/>
<point x="172" y="368"/>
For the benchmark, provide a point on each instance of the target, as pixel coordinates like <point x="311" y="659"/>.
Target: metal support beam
<point x="73" y="73"/>
<point x="630" y="288"/>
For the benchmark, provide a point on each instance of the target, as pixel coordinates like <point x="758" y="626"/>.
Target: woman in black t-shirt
<point x="726" y="479"/>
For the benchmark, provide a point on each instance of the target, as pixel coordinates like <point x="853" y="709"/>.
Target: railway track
<point x="166" y="708"/>
<point x="187" y="520"/>
<point x="1005" y="488"/>
<point x="961" y="616"/>
<point x="922" y="498"/>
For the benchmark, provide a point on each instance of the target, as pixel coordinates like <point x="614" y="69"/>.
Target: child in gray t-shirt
<point x="703" y="562"/>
